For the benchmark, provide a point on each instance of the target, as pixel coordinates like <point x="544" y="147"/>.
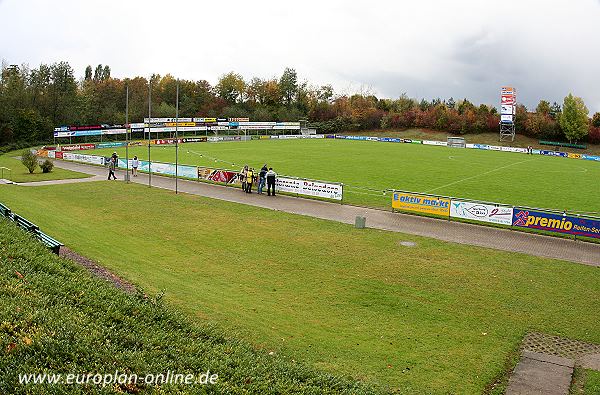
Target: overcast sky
<point x="426" y="48"/>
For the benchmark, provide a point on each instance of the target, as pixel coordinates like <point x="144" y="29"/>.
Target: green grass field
<point x="437" y="318"/>
<point x="368" y="168"/>
<point x="56" y="318"/>
<point x="19" y="173"/>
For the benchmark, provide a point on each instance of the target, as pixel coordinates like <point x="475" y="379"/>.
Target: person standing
<point x="111" y="168"/>
<point x="243" y="174"/>
<point x="271" y="177"/>
<point x="249" y="180"/>
<point x="134" y="165"/>
<point x="262" y="176"/>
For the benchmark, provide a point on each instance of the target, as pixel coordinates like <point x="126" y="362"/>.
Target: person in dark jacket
<point x="271" y="177"/>
<point x="262" y="176"/>
<point x="112" y="164"/>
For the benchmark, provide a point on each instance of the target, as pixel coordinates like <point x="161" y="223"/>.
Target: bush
<point x="29" y="160"/>
<point x="47" y="166"/>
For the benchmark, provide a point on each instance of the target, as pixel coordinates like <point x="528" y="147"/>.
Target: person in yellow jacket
<point x="249" y="180"/>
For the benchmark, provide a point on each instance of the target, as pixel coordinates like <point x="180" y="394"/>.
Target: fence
<point x="519" y="217"/>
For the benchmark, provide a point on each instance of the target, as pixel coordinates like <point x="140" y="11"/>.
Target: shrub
<point x="47" y="166"/>
<point x="29" y="160"/>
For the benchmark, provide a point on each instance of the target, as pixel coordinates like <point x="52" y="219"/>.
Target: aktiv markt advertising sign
<point x="481" y="212"/>
<point x="421" y="203"/>
<point x="525" y="218"/>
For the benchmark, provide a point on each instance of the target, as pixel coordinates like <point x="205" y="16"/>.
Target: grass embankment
<point x="19" y="173"/>
<point x="368" y="168"/>
<point x="56" y="318"/>
<point x="436" y="318"/>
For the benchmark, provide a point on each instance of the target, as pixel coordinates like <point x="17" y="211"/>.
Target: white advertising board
<point x="507" y="109"/>
<point x="481" y="212"/>
<point x="93" y="159"/>
<point x="310" y="188"/>
<point x="432" y="142"/>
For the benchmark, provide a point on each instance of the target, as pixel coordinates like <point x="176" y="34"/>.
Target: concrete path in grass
<point x="541" y="374"/>
<point x="456" y="232"/>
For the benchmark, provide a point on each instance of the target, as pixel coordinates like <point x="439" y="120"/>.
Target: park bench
<point x="50" y="242"/>
<point x="53" y="244"/>
<point x="565" y="145"/>
<point x="5" y="211"/>
<point x="25" y="224"/>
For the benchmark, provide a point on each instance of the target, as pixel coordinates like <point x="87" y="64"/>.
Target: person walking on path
<point x="271" y="177"/>
<point x="262" y="176"/>
<point x="134" y="165"/>
<point x="111" y="168"/>
<point x="243" y="174"/>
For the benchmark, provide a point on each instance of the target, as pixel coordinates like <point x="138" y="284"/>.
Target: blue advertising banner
<point x="590" y="157"/>
<point x="110" y="145"/>
<point x="549" y="222"/>
<point x="554" y="153"/>
<point x="390" y="140"/>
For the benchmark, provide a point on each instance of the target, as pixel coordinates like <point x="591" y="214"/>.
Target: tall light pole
<point x="177" y="137"/>
<point x="149" y="120"/>
<point x="127" y="135"/>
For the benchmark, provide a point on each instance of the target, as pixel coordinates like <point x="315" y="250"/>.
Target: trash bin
<point x="360" y="222"/>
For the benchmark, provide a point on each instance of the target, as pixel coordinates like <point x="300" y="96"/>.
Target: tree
<point x="543" y="107"/>
<point x="98" y="72"/>
<point x="596" y="120"/>
<point x="288" y="85"/>
<point x="88" y="73"/>
<point x="105" y="73"/>
<point x="574" y="118"/>
<point x="231" y="87"/>
<point x="555" y="110"/>
<point x="29" y="160"/>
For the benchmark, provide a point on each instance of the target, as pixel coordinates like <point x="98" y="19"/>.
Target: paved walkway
<point x="541" y="374"/>
<point x="457" y="232"/>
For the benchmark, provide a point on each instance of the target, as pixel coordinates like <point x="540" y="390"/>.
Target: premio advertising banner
<point x="551" y="222"/>
<point x="481" y="212"/>
<point x="421" y="203"/>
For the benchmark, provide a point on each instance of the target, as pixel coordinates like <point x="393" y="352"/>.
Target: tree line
<point x="35" y="100"/>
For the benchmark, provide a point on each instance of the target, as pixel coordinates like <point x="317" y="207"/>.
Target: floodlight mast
<point x="127" y="135"/>
<point x="176" y="137"/>
<point x="149" y="121"/>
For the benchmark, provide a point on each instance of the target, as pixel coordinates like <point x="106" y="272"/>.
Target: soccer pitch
<point x="367" y="168"/>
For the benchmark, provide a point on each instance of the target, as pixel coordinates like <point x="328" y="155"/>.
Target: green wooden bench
<point x="566" y="145"/>
<point x="53" y="244"/>
<point x="50" y="242"/>
<point x="5" y="211"/>
<point x="25" y="224"/>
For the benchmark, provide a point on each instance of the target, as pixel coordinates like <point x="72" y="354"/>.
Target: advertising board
<point x="481" y="212"/>
<point x="421" y="203"/>
<point x="552" y="222"/>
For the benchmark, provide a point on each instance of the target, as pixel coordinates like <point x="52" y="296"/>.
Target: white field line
<point x="479" y="175"/>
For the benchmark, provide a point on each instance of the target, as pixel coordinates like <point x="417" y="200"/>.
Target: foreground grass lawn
<point x="20" y="174"/>
<point x="367" y="168"/>
<point x="436" y="318"/>
<point x="55" y="318"/>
